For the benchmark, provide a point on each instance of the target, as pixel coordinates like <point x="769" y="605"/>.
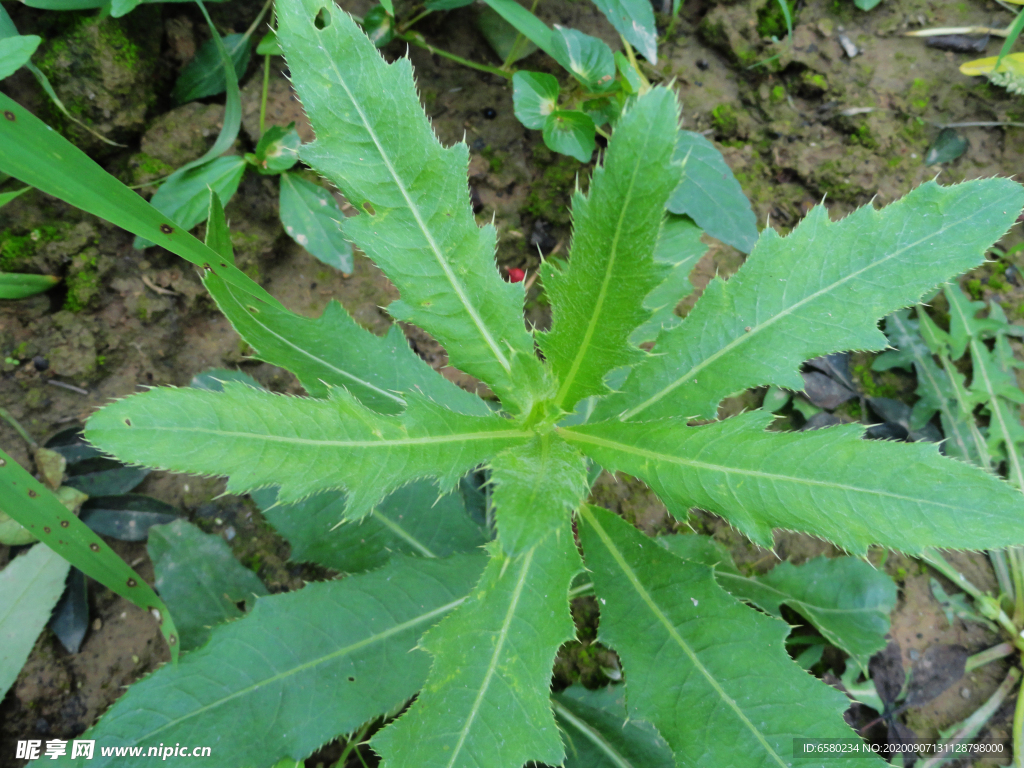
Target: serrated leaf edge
<point x="676" y="637"/>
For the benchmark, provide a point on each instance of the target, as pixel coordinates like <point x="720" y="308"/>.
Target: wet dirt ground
<point x="810" y="125"/>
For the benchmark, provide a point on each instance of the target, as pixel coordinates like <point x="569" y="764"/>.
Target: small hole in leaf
<point x="240" y="605"/>
<point x="172" y="640"/>
<point x="323" y="19"/>
<point x="32" y="494"/>
<point x="351" y="679"/>
<point x="94" y="547"/>
<point x="3" y="462"/>
<point x="369" y="208"/>
<point x="131" y="582"/>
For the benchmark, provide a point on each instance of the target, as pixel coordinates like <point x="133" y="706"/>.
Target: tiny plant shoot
<point x="473" y="635"/>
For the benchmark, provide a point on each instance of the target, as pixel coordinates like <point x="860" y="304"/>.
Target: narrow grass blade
<point x="20" y="286"/>
<point x="30" y="503"/>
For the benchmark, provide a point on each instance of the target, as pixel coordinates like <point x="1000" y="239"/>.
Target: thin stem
<point x="1017" y="569"/>
<point x="352" y="744"/>
<point x="417" y="39"/>
<point x="266" y="81"/>
<point x="9" y="418"/>
<point x="407" y="25"/>
<point x="987" y="605"/>
<point x="998" y="559"/>
<point x="259" y="18"/>
<point x="979" y="441"/>
<point x="970" y="727"/>
<point x="645" y="84"/>
<point x="513" y="53"/>
<point x="581" y="590"/>
<point x="989" y="655"/>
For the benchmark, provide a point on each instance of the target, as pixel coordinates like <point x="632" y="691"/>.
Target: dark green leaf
<point x="412" y="520"/>
<point x="534" y="97"/>
<point x="306" y="667"/>
<point x="70" y="619"/>
<point x="269" y="46"/>
<point x="200" y="579"/>
<point x="629" y="74"/>
<point x="570" y="133"/>
<point x="127" y="517"/>
<point x="948" y="146"/>
<point x="710" y="194"/>
<point x="312" y="219"/>
<point x="379" y="26"/>
<point x="278" y="149"/>
<point x="505" y="39"/>
<point x="15" y="52"/>
<point x="204" y="75"/>
<point x="104" y="477"/>
<point x="588" y="58"/>
<point x="634" y="20"/>
<point x="598" y="733"/>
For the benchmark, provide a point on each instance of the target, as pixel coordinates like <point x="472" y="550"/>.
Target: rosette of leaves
<point x="477" y="641"/>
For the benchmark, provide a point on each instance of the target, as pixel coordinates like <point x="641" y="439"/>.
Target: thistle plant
<point x="472" y="636"/>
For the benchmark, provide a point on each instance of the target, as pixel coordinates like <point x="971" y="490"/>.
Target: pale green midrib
<point x="320" y="360"/>
<point x="431" y="440"/>
<point x="434" y="247"/>
<point x="499" y="645"/>
<point x="602" y="294"/>
<point x="592" y="735"/>
<point x="674" y="634"/>
<point x="755" y="330"/>
<point x="996" y="410"/>
<point x="365" y="642"/>
<point x="788" y="598"/>
<point x="403" y="534"/>
<point x="29" y="585"/>
<point x="922" y="368"/>
<point x="571" y="436"/>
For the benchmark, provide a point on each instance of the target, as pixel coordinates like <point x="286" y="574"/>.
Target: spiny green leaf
<point x="597" y="301"/>
<point x="534" y="97"/>
<point x="846" y="599"/>
<point x="737" y="702"/>
<point x="305" y="666"/>
<point x="634" y="20"/>
<point x="30" y="586"/>
<point x="710" y="194"/>
<point x="599" y="734"/>
<point x="377" y="146"/>
<point x="204" y="75"/>
<point x="829" y="482"/>
<point x="492" y="668"/>
<point x="678" y="250"/>
<point x="936" y="391"/>
<point x="570" y="132"/>
<point x="536" y="487"/>
<point x="312" y="219"/>
<point x="412" y="520"/>
<point x="28" y="501"/>
<point x="334" y="350"/>
<point x="199" y="577"/>
<point x="218" y="236"/>
<point x="303" y="445"/>
<point x="819" y="290"/>
<point x="21" y="286"/>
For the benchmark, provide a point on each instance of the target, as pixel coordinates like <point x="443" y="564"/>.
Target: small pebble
<point x="135" y="659"/>
<point x="965" y="692"/>
<point x="229" y="532"/>
<point x="40" y="362"/>
<point x="914" y="654"/>
<point x="97" y="625"/>
<point x="702" y="65"/>
<point x="490" y="113"/>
